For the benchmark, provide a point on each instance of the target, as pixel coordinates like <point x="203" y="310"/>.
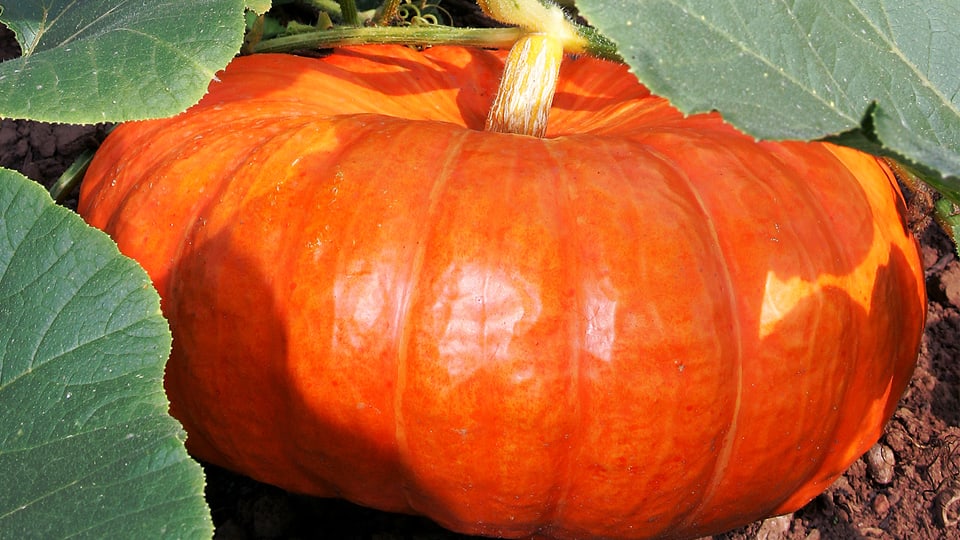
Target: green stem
<point x="331" y="7"/>
<point x="495" y="38"/>
<point x="70" y="179"/>
<point x="546" y="17"/>
<point x="500" y="38"/>
<point x="389" y="11"/>
<point x="348" y="9"/>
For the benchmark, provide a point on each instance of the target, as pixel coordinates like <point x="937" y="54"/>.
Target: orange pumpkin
<point x="642" y="325"/>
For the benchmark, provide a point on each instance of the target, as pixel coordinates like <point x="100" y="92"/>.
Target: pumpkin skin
<point x="640" y="326"/>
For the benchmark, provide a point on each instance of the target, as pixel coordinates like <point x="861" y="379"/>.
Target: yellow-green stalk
<point x="525" y="94"/>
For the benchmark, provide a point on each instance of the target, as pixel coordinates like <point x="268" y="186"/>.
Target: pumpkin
<point x="639" y="325"/>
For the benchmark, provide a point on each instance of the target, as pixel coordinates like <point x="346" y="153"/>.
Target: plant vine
<point x="422" y="12"/>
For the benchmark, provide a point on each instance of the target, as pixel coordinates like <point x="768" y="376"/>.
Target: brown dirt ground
<point x="909" y="489"/>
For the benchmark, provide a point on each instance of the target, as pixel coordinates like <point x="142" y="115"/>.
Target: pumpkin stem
<point x="348" y="10"/>
<point x="538" y="17"/>
<point x="523" y="100"/>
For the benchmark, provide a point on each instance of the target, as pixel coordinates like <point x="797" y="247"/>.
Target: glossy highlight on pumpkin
<point x="639" y="326"/>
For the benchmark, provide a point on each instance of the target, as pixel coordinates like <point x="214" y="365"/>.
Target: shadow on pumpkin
<point x="445" y="84"/>
<point x="814" y="415"/>
<point x="220" y="303"/>
<point x="291" y="416"/>
<point x="465" y="82"/>
<point x="772" y="453"/>
<point x="257" y="410"/>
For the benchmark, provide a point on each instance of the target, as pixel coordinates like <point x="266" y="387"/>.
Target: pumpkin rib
<point x="756" y="179"/>
<point x="302" y="143"/>
<point x="624" y="191"/>
<point x="563" y="207"/>
<point x="415" y="279"/>
<point x="227" y="174"/>
<point x="145" y="159"/>
<point x="842" y="258"/>
<point x="762" y="181"/>
<point x="232" y="189"/>
<point x="828" y="426"/>
<point x="725" y="449"/>
<point x="826" y="242"/>
<point x="883" y="200"/>
<point x="836" y="392"/>
<point x="680" y="190"/>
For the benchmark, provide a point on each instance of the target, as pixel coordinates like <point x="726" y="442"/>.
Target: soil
<point x="906" y="487"/>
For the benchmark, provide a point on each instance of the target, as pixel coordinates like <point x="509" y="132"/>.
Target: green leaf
<point x="113" y="60"/>
<point x="948" y="216"/>
<point x="883" y="74"/>
<point x="87" y="449"/>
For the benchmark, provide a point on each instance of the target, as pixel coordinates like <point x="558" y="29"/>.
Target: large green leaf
<point x="87" y="449"/>
<point x="884" y="74"/>
<point x="114" y="60"/>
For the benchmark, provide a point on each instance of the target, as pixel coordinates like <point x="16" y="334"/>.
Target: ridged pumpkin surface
<point x="642" y="325"/>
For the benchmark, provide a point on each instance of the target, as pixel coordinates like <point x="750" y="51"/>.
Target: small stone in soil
<point x="880" y="463"/>
<point x="881" y="505"/>
<point x="775" y="528"/>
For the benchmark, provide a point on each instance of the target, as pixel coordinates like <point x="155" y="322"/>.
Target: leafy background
<point x="886" y="73"/>
<point x="880" y="74"/>
<point x="86" y="445"/>
<point x="110" y="60"/>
